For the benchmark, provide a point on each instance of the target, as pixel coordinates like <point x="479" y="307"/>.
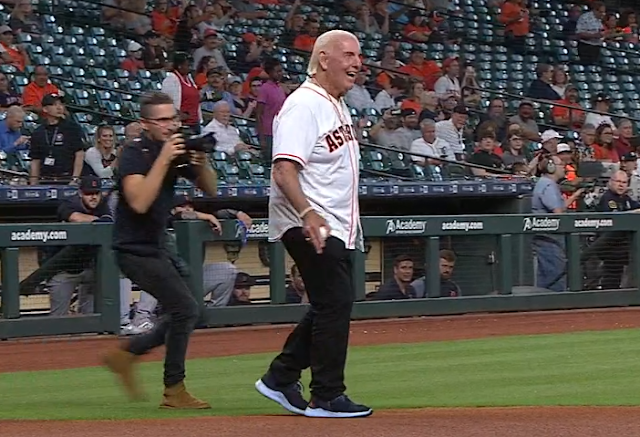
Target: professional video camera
<point x="199" y="143"/>
<point x="594" y="175"/>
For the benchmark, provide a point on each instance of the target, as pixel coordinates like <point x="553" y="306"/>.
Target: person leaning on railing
<point x="549" y="249"/>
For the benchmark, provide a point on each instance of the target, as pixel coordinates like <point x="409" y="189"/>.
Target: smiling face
<point x="341" y="63"/>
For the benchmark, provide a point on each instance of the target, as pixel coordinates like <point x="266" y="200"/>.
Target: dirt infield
<point x="61" y="353"/>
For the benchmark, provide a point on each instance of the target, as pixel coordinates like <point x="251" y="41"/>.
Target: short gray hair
<point x="220" y="104"/>
<point x="427" y="122"/>
<point x="16" y="111"/>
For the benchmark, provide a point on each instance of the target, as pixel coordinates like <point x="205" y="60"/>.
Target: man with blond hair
<point x="314" y="211"/>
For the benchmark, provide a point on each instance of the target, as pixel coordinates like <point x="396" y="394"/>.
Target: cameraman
<point x="612" y="248"/>
<point x="148" y="171"/>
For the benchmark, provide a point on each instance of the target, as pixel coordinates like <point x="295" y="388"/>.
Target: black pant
<point x="612" y="270"/>
<point x="158" y="276"/>
<point x="589" y="53"/>
<point x="321" y="338"/>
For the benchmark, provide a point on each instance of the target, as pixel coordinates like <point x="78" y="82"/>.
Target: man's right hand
<point x="172" y="148"/>
<point x="312" y="222"/>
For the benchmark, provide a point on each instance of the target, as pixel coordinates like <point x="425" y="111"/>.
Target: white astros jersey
<point x="316" y="131"/>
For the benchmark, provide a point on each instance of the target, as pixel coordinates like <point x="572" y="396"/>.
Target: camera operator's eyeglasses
<point x="165" y="120"/>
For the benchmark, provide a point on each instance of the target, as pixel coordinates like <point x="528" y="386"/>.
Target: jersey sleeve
<point x="295" y="133"/>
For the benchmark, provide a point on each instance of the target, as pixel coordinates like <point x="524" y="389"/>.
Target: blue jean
<point x="551" y="265"/>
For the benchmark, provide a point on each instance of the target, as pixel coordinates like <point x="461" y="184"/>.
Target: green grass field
<point x="589" y="368"/>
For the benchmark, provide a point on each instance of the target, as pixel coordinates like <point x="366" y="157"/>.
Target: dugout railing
<point x="511" y="236"/>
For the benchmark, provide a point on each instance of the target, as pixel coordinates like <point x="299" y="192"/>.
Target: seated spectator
<point x="541" y="87"/>
<point x="247" y="10"/>
<point x="396" y="128"/>
<point x="366" y="23"/>
<point x="226" y="134"/>
<point x="39" y="87"/>
<point x="486" y="157"/>
<point x="153" y="55"/>
<point x="572" y="117"/>
<point x="430" y="107"/>
<point x="101" y="159"/>
<point x="496" y="118"/>
<point x="254" y="88"/>
<point x="242" y="107"/>
<point x="389" y="66"/>
<point x="386" y="98"/>
<point x="584" y="145"/>
<point x="7" y="96"/>
<point x="132" y="131"/>
<point x="514" y="152"/>
<point x="215" y="90"/>
<point x="414" y="95"/>
<point x="629" y="24"/>
<point x="87" y="207"/>
<point x="206" y="64"/>
<point x="603" y="148"/>
<point x="56" y="147"/>
<point x="601" y="103"/>
<point x="550" y="140"/>
<point x="418" y="29"/>
<point x="164" y="20"/>
<point x="525" y="118"/>
<point x="10" y="52"/>
<point x="135" y="19"/>
<point x="211" y="47"/>
<point x="215" y="18"/>
<point x="470" y="95"/>
<point x="427" y="71"/>
<point x="305" y="41"/>
<point x="560" y="80"/>
<point x="612" y="32"/>
<point x="569" y="28"/>
<point x="452" y="131"/>
<point x="514" y="15"/>
<point x="448" y="288"/>
<point x="449" y="85"/>
<point x="296" y="292"/>
<point x="431" y="146"/>
<point x="358" y="96"/>
<point x="625" y="133"/>
<point x="242" y="290"/>
<point x="398" y="286"/>
<point x="11" y="137"/>
<point x="22" y="19"/>
<point x="134" y="61"/>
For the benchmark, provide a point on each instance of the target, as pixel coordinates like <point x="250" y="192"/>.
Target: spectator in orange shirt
<point x="418" y="29"/>
<point x="37" y="89"/>
<point x="10" y="52"/>
<point x="164" y="19"/>
<point x="569" y="117"/>
<point x="427" y="71"/>
<point x="134" y="61"/>
<point x="414" y="93"/>
<point x="306" y="40"/>
<point x="206" y="63"/>
<point x="515" y="17"/>
<point x="603" y="149"/>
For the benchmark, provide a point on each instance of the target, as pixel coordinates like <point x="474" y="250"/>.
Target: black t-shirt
<point x="143" y="234"/>
<point x="9" y="99"/>
<point x="74" y="204"/>
<point x="55" y="146"/>
<point x="487" y="159"/>
<point x="390" y="290"/>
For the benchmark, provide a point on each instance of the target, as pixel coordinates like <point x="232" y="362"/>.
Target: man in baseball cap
<point x="550" y="140"/>
<point x="242" y="290"/>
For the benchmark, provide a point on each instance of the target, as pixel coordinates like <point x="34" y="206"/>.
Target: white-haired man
<point x="313" y="210"/>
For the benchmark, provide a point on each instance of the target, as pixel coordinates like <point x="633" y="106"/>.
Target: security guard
<point x="613" y="247"/>
<point x="629" y="164"/>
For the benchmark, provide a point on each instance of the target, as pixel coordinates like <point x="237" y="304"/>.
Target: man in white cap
<point x="314" y="211"/>
<point x="134" y="61"/>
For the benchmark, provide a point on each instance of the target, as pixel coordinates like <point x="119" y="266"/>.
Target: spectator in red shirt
<point x="573" y="117"/>
<point x="165" y="19"/>
<point x="11" y="53"/>
<point x="37" y="89"/>
<point x="134" y="61"/>
<point x="427" y="71"/>
<point x="306" y="40"/>
<point x="603" y="149"/>
<point x="418" y="29"/>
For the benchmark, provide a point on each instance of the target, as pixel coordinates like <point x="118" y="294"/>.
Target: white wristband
<point x="306" y="211"/>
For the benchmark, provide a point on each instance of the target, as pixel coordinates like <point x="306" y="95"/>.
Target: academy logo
<point x="540" y="224"/>
<point x="405" y="227"/>
<point x="258" y="230"/>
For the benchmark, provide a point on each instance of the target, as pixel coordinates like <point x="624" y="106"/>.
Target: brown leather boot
<point x="122" y="363"/>
<point x="176" y="397"/>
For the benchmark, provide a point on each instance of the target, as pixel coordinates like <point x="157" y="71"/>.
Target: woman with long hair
<point x="101" y="159"/>
<point x="603" y="149"/>
<point x="206" y="63"/>
<point x="560" y="80"/>
<point x="414" y="93"/>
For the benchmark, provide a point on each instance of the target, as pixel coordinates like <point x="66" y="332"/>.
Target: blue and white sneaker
<point x="340" y="407"/>
<point x="290" y="397"/>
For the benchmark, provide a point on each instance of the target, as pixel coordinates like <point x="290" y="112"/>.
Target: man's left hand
<point x="214" y="223"/>
<point x="197" y="159"/>
<point x="244" y="218"/>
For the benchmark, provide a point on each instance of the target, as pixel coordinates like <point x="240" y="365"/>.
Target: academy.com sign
<point x="405" y="227"/>
<point x="540" y="224"/>
<point x="42" y="236"/>
<point x="462" y="226"/>
<point x="593" y="223"/>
